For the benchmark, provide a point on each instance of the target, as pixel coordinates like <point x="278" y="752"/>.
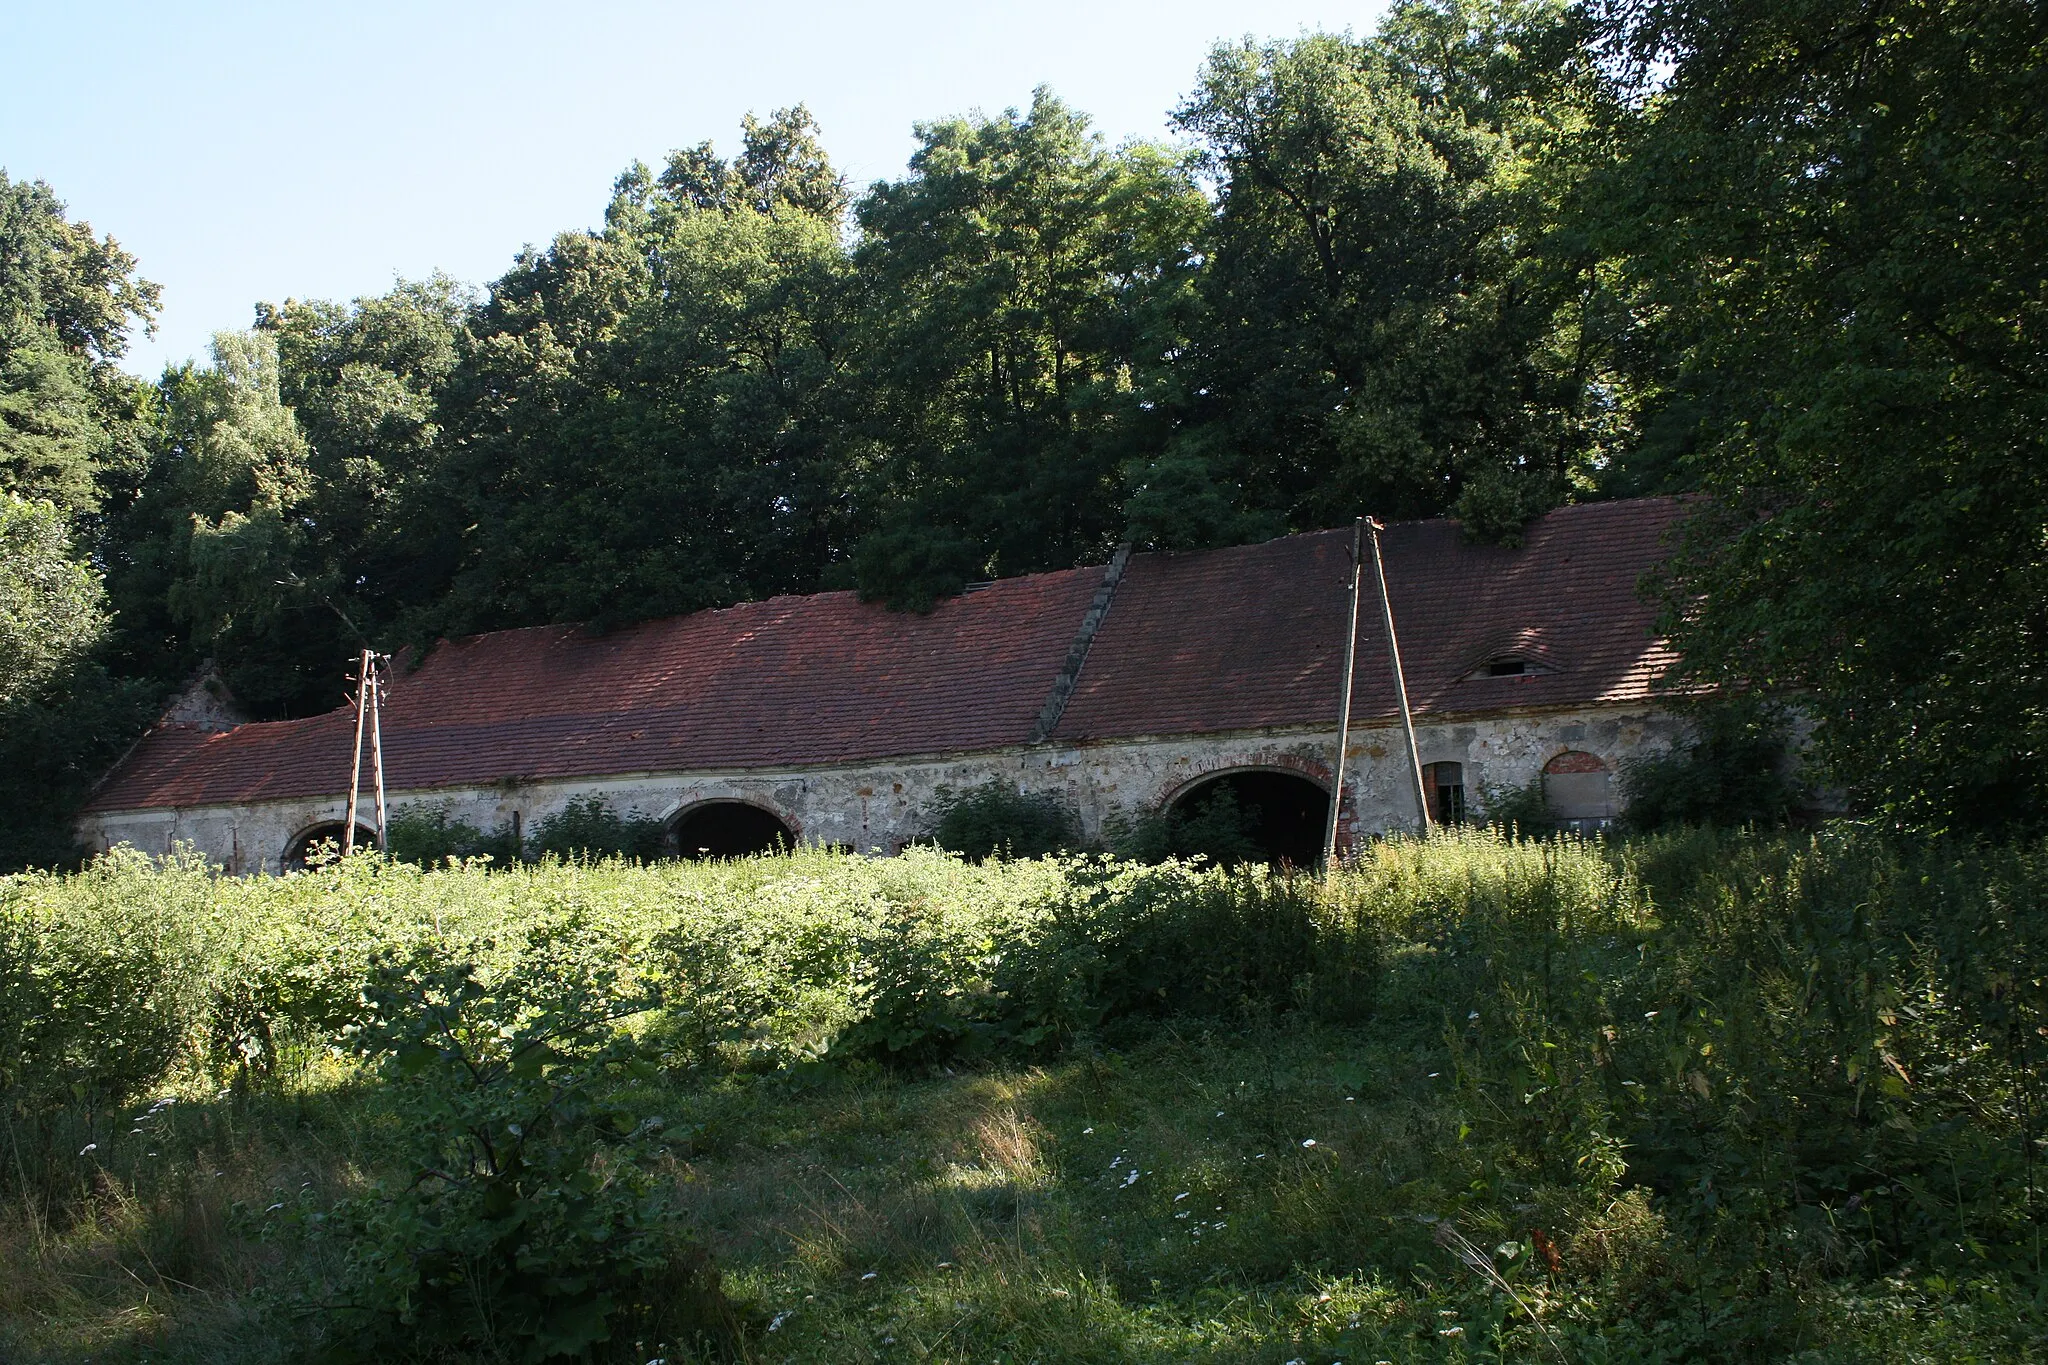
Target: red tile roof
<point x="1253" y="637"/>
<point x="1233" y="639"/>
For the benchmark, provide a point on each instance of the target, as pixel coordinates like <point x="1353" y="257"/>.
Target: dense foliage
<point x="1494" y="256"/>
<point x="1700" y="1097"/>
<point x="1833" y="220"/>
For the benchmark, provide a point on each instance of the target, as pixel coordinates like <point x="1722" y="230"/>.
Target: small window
<point x="1507" y="668"/>
<point x="1445" y="783"/>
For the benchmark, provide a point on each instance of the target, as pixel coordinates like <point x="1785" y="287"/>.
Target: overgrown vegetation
<point x="1734" y="770"/>
<point x="1209" y="825"/>
<point x="429" y="835"/>
<point x="995" y="818"/>
<point x="1726" y="1097"/>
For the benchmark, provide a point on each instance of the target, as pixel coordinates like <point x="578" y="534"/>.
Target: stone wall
<point x="878" y="807"/>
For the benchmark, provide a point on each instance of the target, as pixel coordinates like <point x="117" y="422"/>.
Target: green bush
<point x="1213" y="826"/>
<point x="525" y="1222"/>
<point x="1519" y="812"/>
<point x="1730" y="773"/>
<point x="429" y="835"/>
<point x="996" y="820"/>
<point x="1120" y="945"/>
<point x="591" y="828"/>
<point x="103" y="978"/>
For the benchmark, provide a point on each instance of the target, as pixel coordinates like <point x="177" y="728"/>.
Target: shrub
<point x="1730" y="773"/>
<point x="591" y="828"/>
<point x="995" y="820"/>
<point x="1212" y="826"/>
<point x="103" y="977"/>
<point x="1519" y="812"/>
<point x="428" y="835"/>
<point x="1121" y="945"/>
<point x="526" y="1222"/>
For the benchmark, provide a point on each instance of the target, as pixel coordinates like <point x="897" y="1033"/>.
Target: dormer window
<point x="1508" y="666"/>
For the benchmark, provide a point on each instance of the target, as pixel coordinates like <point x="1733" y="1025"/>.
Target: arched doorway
<point x="307" y="843"/>
<point x="1579" y="790"/>
<point x="729" y="829"/>
<point x="1254" y="816"/>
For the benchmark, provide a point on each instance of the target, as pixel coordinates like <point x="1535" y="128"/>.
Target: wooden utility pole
<point x="377" y="741"/>
<point x="1379" y="569"/>
<point x="369" y="707"/>
<point x="1344" y="702"/>
<point x="355" y="766"/>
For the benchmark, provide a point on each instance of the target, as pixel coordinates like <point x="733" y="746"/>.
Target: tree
<point x="69" y="418"/>
<point x="1023" y="290"/>
<point x="1397" y="315"/>
<point x="63" y="716"/>
<point x="51" y="606"/>
<point x="1833" y="213"/>
<point x="74" y="437"/>
<point x="637" y="420"/>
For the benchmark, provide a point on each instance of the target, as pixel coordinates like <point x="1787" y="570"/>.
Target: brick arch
<point x="674" y="821"/>
<point x="1310" y="769"/>
<point x="296" y="847"/>
<point x="680" y="809"/>
<point x="1291" y="823"/>
<point x="1578" y="790"/>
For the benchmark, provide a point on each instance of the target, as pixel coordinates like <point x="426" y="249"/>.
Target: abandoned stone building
<point x="1124" y="688"/>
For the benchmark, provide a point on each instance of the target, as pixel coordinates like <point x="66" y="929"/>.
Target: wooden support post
<point x="355" y="766"/>
<point x="1379" y="569"/>
<point x="377" y="742"/>
<point x="1344" y="702"/>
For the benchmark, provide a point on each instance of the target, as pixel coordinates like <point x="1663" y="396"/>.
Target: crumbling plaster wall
<point x="878" y="807"/>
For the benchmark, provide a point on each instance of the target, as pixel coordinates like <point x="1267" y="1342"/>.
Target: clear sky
<point x="266" y="151"/>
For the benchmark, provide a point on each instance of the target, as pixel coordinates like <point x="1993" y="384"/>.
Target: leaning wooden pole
<point x="377" y="742"/>
<point x="1344" y="702"/>
<point x="355" y="766"/>
<point x="1379" y="568"/>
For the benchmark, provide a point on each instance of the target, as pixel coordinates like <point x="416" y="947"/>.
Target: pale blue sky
<point x="249" y="152"/>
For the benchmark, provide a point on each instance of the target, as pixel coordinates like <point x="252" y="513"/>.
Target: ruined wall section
<point x="879" y="807"/>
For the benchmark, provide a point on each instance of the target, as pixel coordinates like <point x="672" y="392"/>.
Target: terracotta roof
<point x="1243" y="638"/>
<point x="1253" y="637"/>
<point x="793" y="680"/>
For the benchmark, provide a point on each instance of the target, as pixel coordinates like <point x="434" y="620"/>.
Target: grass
<point x="1266" y="1179"/>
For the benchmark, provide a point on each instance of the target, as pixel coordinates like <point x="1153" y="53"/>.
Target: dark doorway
<point x="1254" y="817"/>
<point x="309" y="843"/>
<point x="730" y="829"/>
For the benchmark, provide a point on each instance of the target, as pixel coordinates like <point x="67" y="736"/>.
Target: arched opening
<point x="1579" y="790"/>
<point x="1262" y="817"/>
<point x="729" y="829"/>
<point x="302" y="849"/>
